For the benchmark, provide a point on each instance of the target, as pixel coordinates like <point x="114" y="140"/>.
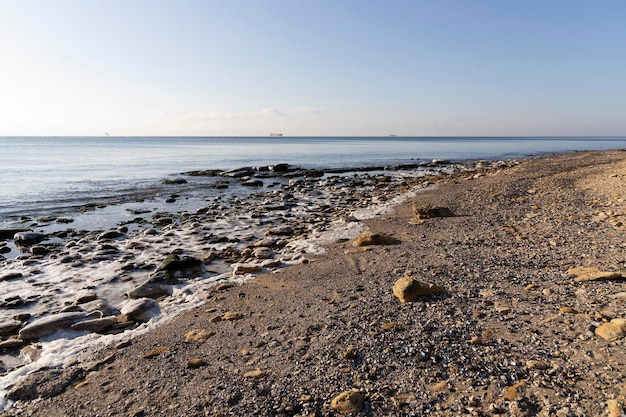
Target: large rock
<point x="151" y="290"/>
<point x="348" y="402"/>
<point x="96" y="325"/>
<point x="141" y="310"/>
<point x="8" y="327"/>
<point x="28" y="238"/>
<point x="407" y="289"/>
<point x="583" y="274"/>
<point x="48" y="325"/>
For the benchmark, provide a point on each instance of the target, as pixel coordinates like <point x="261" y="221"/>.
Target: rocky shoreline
<point x="514" y="327"/>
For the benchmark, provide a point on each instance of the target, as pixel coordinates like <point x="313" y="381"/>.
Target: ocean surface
<point x="43" y="175"/>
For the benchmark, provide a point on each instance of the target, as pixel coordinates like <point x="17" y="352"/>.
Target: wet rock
<point x="252" y="183"/>
<point x="110" y="234"/>
<point x="85" y="297"/>
<point x="28" y="238"/>
<point x="140" y="310"/>
<point x="10" y="233"/>
<point x="38" y="250"/>
<point x="173" y="262"/>
<point x="151" y="290"/>
<point x="281" y="231"/>
<point x="175" y="180"/>
<point x="263" y="253"/>
<point x="613" y="330"/>
<point x="11" y="275"/>
<point x="48" y="325"/>
<point x="9" y="327"/>
<point x="96" y="325"/>
<point x="427" y="211"/>
<point x="406" y="289"/>
<point x="368" y="238"/>
<point x="241" y="269"/>
<point x="12" y="343"/>
<point x="348" y="402"/>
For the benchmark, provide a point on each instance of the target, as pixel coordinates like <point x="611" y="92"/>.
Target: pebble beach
<point x="483" y="289"/>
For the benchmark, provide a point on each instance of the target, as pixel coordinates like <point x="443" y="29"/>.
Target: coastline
<point x="308" y="332"/>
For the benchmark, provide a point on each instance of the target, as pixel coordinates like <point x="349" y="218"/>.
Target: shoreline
<point x="337" y="327"/>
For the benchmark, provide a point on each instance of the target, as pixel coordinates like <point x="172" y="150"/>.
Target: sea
<point x="115" y="176"/>
<point x="54" y="175"/>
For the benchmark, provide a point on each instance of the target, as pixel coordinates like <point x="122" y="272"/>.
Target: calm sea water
<point x="49" y="173"/>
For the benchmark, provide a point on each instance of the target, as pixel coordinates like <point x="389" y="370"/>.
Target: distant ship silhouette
<point x="275" y="135"/>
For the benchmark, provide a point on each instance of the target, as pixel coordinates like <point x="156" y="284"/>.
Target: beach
<point x="523" y="313"/>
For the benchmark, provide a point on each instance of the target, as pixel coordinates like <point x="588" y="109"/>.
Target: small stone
<point x="156" y="352"/>
<point x="241" y="269"/>
<point x="613" y="330"/>
<point x="568" y="310"/>
<point x="350" y="353"/>
<point x="198" y="335"/>
<point x="407" y="289"/>
<point x="439" y="386"/>
<point x="614" y="408"/>
<point x="257" y="373"/>
<point x="534" y="364"/>
<point x="232" y="316"/>
<point x="512" y="393"/>
<point x="348" y="402"/>
<point x="195" y="363"/>
<point x="389" y="326"/>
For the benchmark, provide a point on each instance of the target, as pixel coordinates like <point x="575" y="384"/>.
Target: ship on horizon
<point x="275" y="135"/>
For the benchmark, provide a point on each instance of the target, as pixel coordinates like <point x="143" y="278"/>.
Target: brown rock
<point x="426" y="211"/>
<point x="257" y="373"/>
<point x="156" y="352"/>
<point x="592" y="274"/>
<point x="368" y="238"/>
<point x="511" y="393"/>
<point x="613" y="330"/>
<point x="348" y="402"/>
<point x="407" y="289"/>
<point x="195" y="363"/>
<point x="198" y="335"/>
<point x="232" y="316"/>
<point x="614" y="408"/>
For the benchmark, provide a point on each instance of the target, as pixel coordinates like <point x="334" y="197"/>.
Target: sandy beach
<point x="525" y="316"/>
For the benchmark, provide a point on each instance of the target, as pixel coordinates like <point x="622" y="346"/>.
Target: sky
<point x="312" y="67"/>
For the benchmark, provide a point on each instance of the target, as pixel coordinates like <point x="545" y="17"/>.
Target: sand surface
<point x="517" y="330"/>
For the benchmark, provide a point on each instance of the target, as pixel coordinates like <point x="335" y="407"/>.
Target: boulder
<point x="406" y="289"/>
<point x="10" y="275"/>
<point x="8" y="327"/>
<point x="28" y="238"/>
<point x="175" y="180"/>
<point x="48" y="325"/>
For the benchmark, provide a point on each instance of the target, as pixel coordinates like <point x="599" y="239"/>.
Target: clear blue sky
<point x="312" y="67"/>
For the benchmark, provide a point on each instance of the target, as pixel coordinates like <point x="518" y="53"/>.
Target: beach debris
<point x="407" y="289"/>
<point x="428" y="211"/>
<point x="368" y="238"/>
<point x="348" y="402"/>
<point x="613" y="330"/>
<point x="592" y="274"/>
